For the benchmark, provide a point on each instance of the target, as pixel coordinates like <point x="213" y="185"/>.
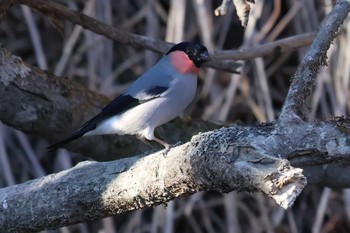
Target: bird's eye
<point x="189" y="51"/>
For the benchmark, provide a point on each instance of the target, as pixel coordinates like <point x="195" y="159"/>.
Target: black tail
<point x="72" y="137"/>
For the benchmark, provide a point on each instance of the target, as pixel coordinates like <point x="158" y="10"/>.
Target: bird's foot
<point x="166" y="151"/>
<point x="168" y="147"/>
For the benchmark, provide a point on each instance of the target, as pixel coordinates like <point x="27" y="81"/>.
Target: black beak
<point x="202" y="58"/>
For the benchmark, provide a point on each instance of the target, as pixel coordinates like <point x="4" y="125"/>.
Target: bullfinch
<point x="159" y="95"/>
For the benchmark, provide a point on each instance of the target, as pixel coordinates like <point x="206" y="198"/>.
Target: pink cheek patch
<point x="182" y="63"/>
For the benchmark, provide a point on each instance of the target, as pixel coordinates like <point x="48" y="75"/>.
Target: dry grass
<point x="255" y="95"/>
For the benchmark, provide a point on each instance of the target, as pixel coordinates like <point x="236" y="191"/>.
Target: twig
<point x="231" y="213"/>
<point x="285" y="20"/>
<point x="321" y="210"/>
<point x="291" y="222"/>
<point x="169" y="218"/>
<point x="176" y="21"/>
<point x="269" y="24"/>
<point x="264" y="88"/>
<point x="6" y="172"/>
<point x="35" y="36"/>
<point x="71" y="41"/>
<point x="38" y="170"/>
<point x="264" y="216"/>
<point x="279" y="46"/>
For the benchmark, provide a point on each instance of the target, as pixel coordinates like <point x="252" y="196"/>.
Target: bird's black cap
<point x="197" y="52"/>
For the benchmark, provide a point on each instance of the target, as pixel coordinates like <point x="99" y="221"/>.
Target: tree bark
<point x="226" y="159"/>
<point x="93" y="190"/>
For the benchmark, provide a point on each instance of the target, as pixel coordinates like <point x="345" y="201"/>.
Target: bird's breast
<point x="182" y="63"/>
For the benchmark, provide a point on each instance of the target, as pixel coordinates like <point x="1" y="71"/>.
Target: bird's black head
<point x="196" y="52"/>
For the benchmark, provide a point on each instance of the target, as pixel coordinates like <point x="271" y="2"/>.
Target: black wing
<point x="156" y="91"/>
<point x="123" y="103"/>
<point x="118" y="105"/>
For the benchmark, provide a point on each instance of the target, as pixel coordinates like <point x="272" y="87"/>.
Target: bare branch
<point x="102" y="189"/>
<point x="276" y="47"/>
<point x="305" y="77"/>
<point x="235" y="158"/>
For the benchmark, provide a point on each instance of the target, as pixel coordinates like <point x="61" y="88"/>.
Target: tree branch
<point x="227" y="159"/>
<point x="304" y="80"/>
<point x="104" y="189"/>
<point x="275" y="47"/>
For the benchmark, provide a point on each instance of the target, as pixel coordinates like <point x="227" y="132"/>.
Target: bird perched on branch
<point x="159" y="95"/>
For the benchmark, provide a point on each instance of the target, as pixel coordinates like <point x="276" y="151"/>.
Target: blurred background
<point x="254" y="95"/>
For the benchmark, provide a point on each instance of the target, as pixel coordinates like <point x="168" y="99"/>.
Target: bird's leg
<point x="166" y="145"/>
<point x="144" y="140"/>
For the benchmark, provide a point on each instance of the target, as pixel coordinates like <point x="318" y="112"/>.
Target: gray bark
<point x="221" y="160"/>
<point x="226" y="159"/>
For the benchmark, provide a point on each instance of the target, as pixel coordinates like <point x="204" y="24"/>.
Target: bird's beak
<point x="204" y="57"/>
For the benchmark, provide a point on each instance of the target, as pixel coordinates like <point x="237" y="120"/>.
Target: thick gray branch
<point x="304" y="79"/>
<point x="235" y="158"/>
<point x="221" y="160"/>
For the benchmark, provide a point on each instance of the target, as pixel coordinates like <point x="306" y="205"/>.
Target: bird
<point x="158" y="96"/>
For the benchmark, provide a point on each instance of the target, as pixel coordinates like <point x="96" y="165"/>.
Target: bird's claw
<point x="166" y="151"/>
<point x="168" y="148"/>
